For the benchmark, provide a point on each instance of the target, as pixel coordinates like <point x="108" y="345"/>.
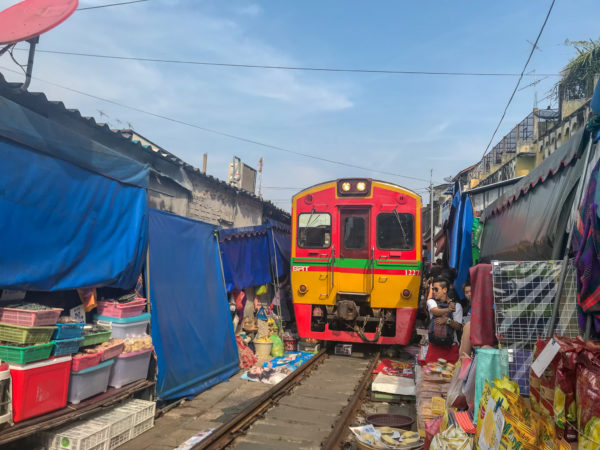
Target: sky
<point x="405" y="125"/>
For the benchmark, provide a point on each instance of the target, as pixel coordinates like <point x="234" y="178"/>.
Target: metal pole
<point x="570" y="223"/>
<point x="32" y="43"/>
<point x="431" y="214"/>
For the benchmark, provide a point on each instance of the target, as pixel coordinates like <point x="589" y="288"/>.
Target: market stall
<point x="73" y="243"/>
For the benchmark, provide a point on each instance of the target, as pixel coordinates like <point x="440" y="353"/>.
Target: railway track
<point x="310" y="409"/>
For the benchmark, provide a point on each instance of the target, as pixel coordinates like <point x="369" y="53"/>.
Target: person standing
<point x="446" y="319"/>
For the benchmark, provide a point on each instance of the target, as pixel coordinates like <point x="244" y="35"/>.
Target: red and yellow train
<point x="356" y="261"/>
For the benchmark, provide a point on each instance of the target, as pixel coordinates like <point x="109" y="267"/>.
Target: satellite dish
<point x="26" y="20"/>
<point x="30" y="18"/>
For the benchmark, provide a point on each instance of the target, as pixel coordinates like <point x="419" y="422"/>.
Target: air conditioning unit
<point x="241" y="175"/>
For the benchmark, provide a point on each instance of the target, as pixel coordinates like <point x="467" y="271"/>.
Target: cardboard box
<point x="343" y="349"/>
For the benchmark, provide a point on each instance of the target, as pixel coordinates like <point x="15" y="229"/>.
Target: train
<point x="356" y="261"/>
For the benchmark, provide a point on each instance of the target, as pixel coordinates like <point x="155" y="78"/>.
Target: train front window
<point x="314" y="230"/>
<point x="395" y="231"/>
<point x="354" y="233"/>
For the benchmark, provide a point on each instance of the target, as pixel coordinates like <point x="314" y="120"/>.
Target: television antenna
<point x="27" y="20"/>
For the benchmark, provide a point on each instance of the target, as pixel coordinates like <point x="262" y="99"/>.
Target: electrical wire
<point x="533" y="47"/>
<point x="110" y="4"/>
<point x="297" y="68"/>
<point x="221" y="133"/>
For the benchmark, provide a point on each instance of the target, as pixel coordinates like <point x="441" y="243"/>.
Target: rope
<point x="361" y="331"/>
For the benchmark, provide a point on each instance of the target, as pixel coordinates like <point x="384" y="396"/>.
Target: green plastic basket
<point x="22" y="355"/>
<point x="96" y="338"/>
<point x="25" y="335"/>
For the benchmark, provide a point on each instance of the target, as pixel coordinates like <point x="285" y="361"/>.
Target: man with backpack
<point x="445" y="320"/>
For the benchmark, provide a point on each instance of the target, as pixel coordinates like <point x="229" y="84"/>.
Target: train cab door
<point x="355" y="251"/>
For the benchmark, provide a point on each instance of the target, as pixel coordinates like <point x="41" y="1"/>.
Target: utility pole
<point x="431" y="213"/>
<point x="260" y="169"/>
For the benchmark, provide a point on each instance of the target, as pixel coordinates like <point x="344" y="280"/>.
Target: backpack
<point x="441" y="335"/>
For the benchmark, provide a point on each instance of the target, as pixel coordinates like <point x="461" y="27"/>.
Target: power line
<point x="220" y="133"/>
<point x="533" y="47"/>
<point x="111" y="4"/>
<point x="298" y="68"/>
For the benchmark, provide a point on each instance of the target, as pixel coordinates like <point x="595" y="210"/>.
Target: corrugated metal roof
<point x="38" y="102"/>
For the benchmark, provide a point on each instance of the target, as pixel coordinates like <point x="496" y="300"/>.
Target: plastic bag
<point x="564" y="405"/>
<point x="456" y="398"/>
<point x="588" y="399"/>
<point x="453" y="438"/>
<point x="491" y="364"/>
<point x="277" y="349"/>
<point x="468" y="388"/>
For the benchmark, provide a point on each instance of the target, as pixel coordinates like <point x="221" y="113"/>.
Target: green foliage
<point x="579" y="73"/>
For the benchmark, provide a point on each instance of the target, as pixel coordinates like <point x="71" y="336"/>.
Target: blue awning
<point x="191" y="323"/>
<point x="30" y="129"/>
<point x="254" y="255"/>
<point x="64" y="227"/>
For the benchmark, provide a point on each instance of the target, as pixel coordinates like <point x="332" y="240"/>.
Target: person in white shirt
<point x="451" y="316"/>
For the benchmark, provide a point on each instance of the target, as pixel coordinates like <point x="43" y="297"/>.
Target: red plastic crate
<point x="113" y="351"/>
<point x="39" y="387"/>
<point x="29" y="318"/>
<point x="85" y="362"/>
<point x="121" y="310"/>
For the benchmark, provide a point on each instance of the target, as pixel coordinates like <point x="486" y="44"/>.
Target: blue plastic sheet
<point x="23" y="126"/>
<point x="249" y="256"/>
<point x="63" y="227"/>
<point x="191" y="323"/>
<point x="461" y="255"/>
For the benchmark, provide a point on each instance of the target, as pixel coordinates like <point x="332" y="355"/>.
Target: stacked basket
<point x="128" y="322"/>
<point x="25" y="334"/>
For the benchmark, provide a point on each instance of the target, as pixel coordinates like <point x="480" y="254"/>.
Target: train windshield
<point x="395" y="231"/>
<point x="314" y="230"/>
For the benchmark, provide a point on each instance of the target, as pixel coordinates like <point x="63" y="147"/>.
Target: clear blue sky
<point x="406" y="124"/>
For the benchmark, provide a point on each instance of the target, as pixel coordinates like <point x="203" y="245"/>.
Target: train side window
<point x="354" y="233"/>
<point x="314" y="230"/>
<point x="395" y="231"/>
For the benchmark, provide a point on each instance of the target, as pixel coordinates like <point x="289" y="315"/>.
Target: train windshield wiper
<point x="401" y="228"/>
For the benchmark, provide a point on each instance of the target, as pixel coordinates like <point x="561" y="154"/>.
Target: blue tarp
<point x="461" y="255"/>
<point x="191" y="323"/>
<point x="252" y="255"/>
<point x="63" y="227"/>
<point x="28" y="128"/>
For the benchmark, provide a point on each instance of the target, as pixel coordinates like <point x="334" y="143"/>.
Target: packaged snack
<point x="588" y="398"/>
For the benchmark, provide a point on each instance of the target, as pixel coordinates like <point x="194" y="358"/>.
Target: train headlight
<point x="406" y="293"/>
<point x="361" y="186"/>
<point x="346" y="187"/>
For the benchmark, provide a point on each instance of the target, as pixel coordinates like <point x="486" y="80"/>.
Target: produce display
<point x="386" y="437"/>
<point x="67" y="319"/>
<point x="30" y="307"/>
<point x="137" y="344"/>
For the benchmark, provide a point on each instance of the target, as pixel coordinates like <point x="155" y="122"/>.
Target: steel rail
<point x="229" y="431"/>
<point x="340" y="428"/>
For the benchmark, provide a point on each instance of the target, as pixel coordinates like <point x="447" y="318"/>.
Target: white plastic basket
<point x="120" y="439"/>
<point x="119" y="421"/>
<point x="140" y="409"/>
<point x="100" y="446"/>
<point x="142" y="427"/>
<point x="87" y="435"/>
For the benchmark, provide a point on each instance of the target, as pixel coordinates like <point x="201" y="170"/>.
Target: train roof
<point x="324" y="183"/>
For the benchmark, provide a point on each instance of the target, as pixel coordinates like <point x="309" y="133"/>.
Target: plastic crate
<point x="66" y="346"/>
<point x="112" y="351"/>
<point x="130" y="367"/>
<point x="5" y="394"/>
<point x="86" y="361"/>
<point x="22" y="355"/>
<point x="142" y="427"/>
<point x="119" y="421"/>
<point x="144" y="410"/>
<point x="89" y="382"/>
<point x="39" y="387"/>
<point x="125" y="327"/>
<point x="95" y="338"/>
<point x="119" y="439"/>
<point x="25" y="335"/>
<point x="86" y="435"/>
<point x="29" y="318"/>
<point x="68" y="330"/>
<point x="121" y="310"/>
